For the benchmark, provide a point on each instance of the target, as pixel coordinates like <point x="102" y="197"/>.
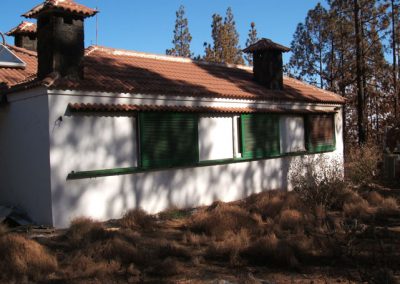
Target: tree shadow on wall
<point x="159" y="189"/>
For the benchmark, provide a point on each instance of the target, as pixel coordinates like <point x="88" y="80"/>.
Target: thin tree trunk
<point x="359" y="76"/>
<point x="394" y="44"/>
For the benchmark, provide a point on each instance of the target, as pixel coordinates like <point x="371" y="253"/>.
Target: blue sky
<point x="148" y="25"/>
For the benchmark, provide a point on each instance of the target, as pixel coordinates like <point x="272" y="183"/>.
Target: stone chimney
<point x="24" y="35"/>
<point x="60" y="33"/>
<point x="267" y="63"/>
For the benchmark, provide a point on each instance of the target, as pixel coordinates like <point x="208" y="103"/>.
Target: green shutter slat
<point x="260" y="135"/>
<point x="168" y="139"/>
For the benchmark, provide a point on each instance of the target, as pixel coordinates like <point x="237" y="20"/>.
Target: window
<point x="216" y="139"/>
<point x="168" y="139"/>
<point x="292" y="134"/>
<point x="115" y="147"/>
<point x="260" y="135"/>
<point x="321" y="135"/>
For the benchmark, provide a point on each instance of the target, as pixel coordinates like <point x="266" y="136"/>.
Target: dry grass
<point x="172" y="249"/>
<point x="21" y="257"/>
<point x="389" y="206"/>
<point x="137" y="219"/>
<point x="271" y="229"/>
<point x="220" y="219"/>
<point x="360" y="210"/>
<point x="82" y="266"/>
<point x="374" y="198"/>
<point x="85" y="231"/>
<point x="230" y="248"/>
<point x="3" y="229"/>
<point x="193" y="239"/>
<point x="290" y="219"/>
<point x="167" y="268"/>
<point x="270" y="251"/>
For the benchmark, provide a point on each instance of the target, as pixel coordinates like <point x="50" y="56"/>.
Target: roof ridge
<point x="133" y="53"/>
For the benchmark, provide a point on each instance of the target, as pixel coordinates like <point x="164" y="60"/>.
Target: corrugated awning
<point x="81" y="107"/>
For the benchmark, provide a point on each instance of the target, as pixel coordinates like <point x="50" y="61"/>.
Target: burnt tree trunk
<point x="359" y="76"/>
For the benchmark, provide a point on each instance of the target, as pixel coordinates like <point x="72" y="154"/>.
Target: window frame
<point x="320" y="148"/>
<point x="250" y="155"/>
<point x="239" y="150"/>
<point x="148" y="163"/>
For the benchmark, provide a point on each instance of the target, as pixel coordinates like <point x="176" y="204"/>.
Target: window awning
<point x="129" y="108"/>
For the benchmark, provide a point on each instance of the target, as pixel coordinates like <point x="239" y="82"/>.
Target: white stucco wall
<point x="292" y="133"/>
<point x="216" y="137"/>
<point x="24" y="155"/>
<point x="109" y="197"/>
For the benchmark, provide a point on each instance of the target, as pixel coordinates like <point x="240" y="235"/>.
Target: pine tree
<point x="252" y="38"/>
<point x="342" y="49"/>
<point x="310" y="45"/>
<point x="182" y="37"/>
<point x="225" y="47"/>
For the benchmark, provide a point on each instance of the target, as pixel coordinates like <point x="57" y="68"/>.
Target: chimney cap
<point x="265" y="44"/>
<point x="23" y="28"/>
<point x="69" y="6"/>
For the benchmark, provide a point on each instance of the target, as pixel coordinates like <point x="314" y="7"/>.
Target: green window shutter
<point x="260" y="135"/>
<point x="168" y="139"/>
<point x="320" y="133"/>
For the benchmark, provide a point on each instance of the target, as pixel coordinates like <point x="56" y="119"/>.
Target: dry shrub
<point x="374" y="198"/>
<point x="221" y="219"/>
<point x="290" y="219"/>
<point x="269" y="250"/>
<point x="84" y="231"/>
<point x="230" y="248"/>
<point x="362" y="163"/>
<point x="137" y="219"/>
<point x="167" y="268"/>
<point x="82" y="266"/>
<point x="318" y="181"/>
<point x="359" y="210"/>
<point x="24" y="258"/>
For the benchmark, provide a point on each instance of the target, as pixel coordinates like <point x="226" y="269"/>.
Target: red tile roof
<point x="61" y="5"/>
<point x="12" y="76"/>
<point x="112" y="70"/>
<point x="23" y="28"/>
<point x="266" y="44"/>
<point x="81" y="107"/>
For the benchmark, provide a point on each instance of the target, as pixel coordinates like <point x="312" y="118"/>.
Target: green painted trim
<point x="133" y="170"/>
<point x="102" y="173"/>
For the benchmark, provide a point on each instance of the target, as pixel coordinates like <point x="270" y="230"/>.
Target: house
<point x="98" y="131"/>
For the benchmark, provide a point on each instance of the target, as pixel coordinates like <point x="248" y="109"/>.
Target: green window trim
<point x="134" y="170"/>
<point x="194" y="160"/>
